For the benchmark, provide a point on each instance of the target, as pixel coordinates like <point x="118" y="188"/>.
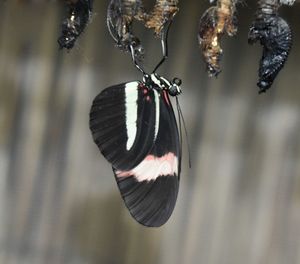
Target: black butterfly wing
<point x="122" y="122"/>
<point x="150" y="189"/>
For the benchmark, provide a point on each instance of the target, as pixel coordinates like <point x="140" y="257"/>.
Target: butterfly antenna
<point x="180" y="116"/>
<point x="180" y="133"/>
<point x="164" y="44"/>
<point x="134" y="60"/>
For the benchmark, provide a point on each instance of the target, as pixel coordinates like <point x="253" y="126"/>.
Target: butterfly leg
<point x="164" y="44"/>
<point x="135" y="60"/>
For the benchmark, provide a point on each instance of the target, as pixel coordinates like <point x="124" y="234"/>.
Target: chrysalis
<point x="213" y="24"/>
<point x="162" y="13"/>
<point x="275" y="35"/>
<point x="79" y="14"/>
<point x="120" y="16"/>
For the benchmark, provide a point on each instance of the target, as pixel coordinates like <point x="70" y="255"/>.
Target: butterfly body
<point x="134" y="127"/>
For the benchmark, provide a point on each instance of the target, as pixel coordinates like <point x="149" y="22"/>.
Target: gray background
<point x="240" y="202"/>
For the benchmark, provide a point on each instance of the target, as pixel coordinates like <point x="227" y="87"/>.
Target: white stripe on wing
<point x="131" y="97"/>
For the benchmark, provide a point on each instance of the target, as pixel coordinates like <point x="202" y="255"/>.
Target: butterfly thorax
<point x="159" y="83"/>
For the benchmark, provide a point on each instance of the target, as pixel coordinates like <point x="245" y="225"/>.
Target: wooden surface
<point x="240" y="202"/>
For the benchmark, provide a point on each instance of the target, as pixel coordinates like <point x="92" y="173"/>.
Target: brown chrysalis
<point x="213" y="24"/>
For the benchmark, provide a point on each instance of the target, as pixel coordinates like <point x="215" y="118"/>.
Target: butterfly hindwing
<point x="150" y="189"/>
<point x="122" y="121"/>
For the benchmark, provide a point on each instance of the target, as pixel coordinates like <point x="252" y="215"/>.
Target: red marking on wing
<point x="166" y="97"/>
<point x="142" y="86"/>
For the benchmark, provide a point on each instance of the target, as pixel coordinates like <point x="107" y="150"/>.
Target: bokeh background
<point x="240" y="201"/>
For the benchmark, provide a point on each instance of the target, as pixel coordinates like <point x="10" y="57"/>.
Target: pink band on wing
<point x="152" y="167"/>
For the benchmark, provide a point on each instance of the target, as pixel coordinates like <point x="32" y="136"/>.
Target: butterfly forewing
<point x="122" y="122"/>
<point x="150" y="189"/>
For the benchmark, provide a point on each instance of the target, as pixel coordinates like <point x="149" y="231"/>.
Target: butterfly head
<point x="154" y="81"/>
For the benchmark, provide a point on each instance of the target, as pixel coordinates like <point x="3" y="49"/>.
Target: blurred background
<point x="59" y="203"/>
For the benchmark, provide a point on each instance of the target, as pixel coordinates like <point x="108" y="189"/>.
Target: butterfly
<point x="134" y="126"/>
